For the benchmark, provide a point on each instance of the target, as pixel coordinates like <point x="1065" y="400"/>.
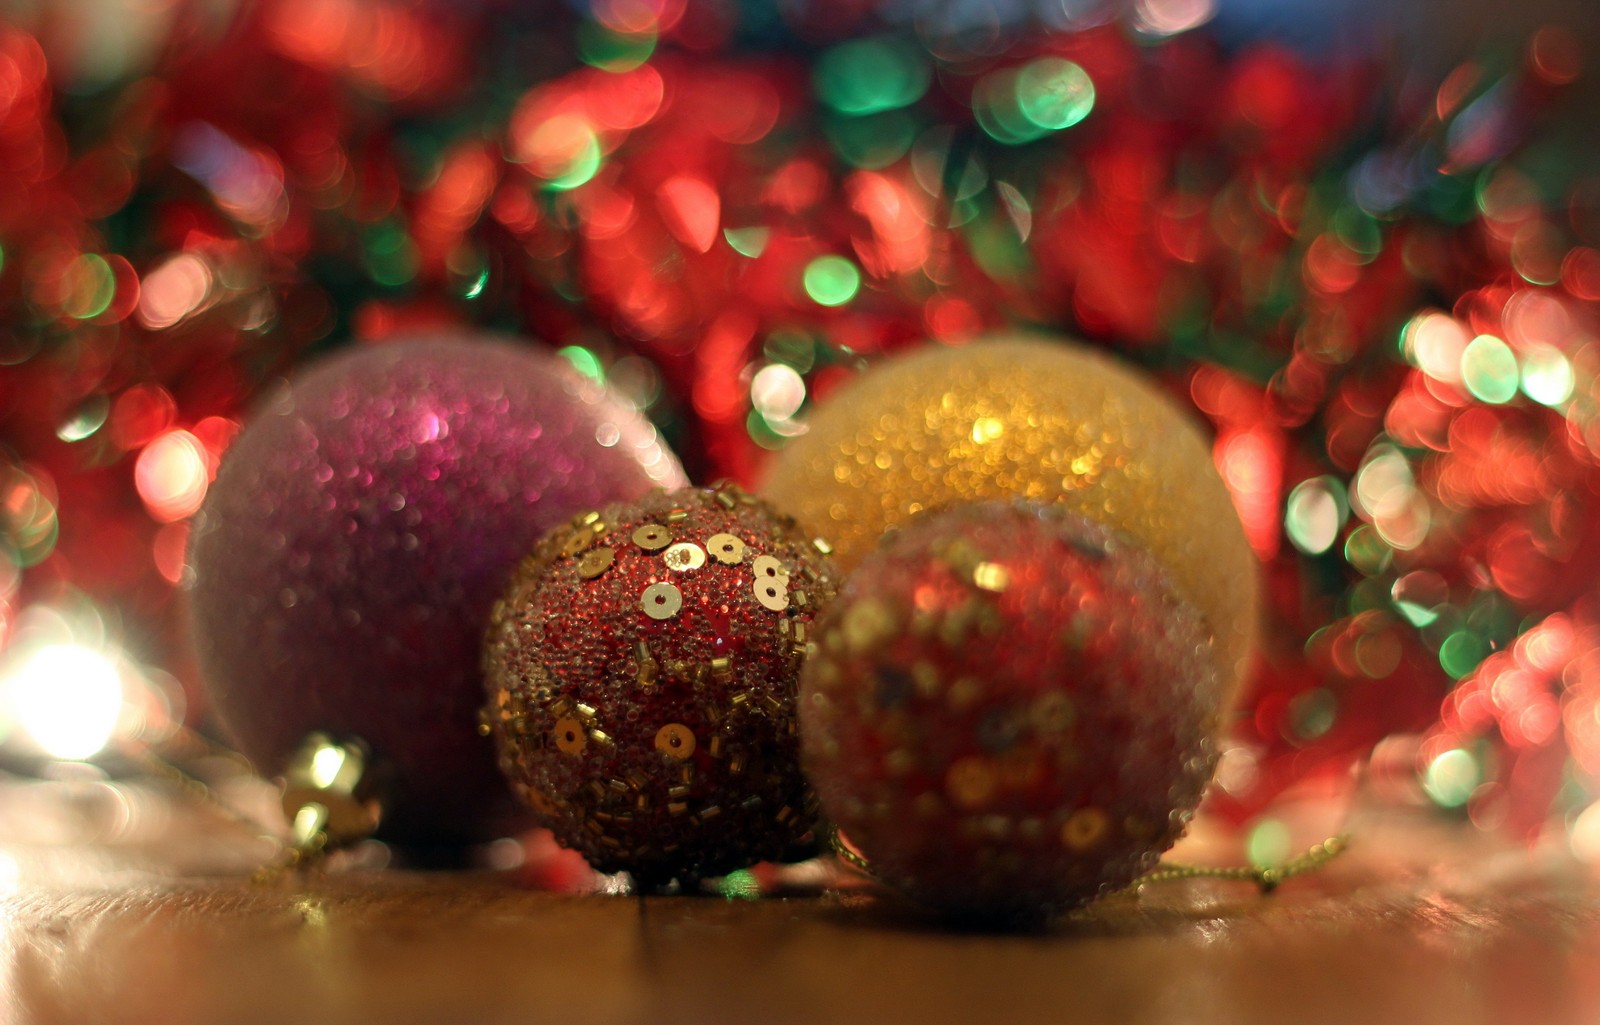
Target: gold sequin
<point x="595" y="562"/>
<point x="684" y="556"/>
<point x="652" y="537"/>
<point x="727" y="549"/>
<point x="772" y="594"/>
<point x="576" y="542"/>
<point x="970" y="782"/>
<point x="661" y="600"/>
<point x="675" y="739"/>
<point x="1056" y="423"/>
<point x="765" y="566"/>
<point x="570" y="737"/>
<point x="1084" y="828"/>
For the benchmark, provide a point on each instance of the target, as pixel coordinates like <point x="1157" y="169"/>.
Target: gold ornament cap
<point x="1036" y="418"/>
<point x="331" y="794"/>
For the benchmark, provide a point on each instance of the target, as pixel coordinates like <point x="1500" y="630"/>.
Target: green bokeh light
<point x="1366" y="550"/>
<point x="469" y="272"/>
<point x="1416" y="615"/>
<point x="761" y="432"/>
<point x="391" y="256"/>
<point x="866" y="76"/>
<point x="86" y="419"/>
<point x="1054" y="93"/>
<point x="94" y="285"/>
<point x="999" y="112"/>
<point x="475" y="287"/>
<point x="1451" y="778"/>
<point x="1018" y="105"/>
<point x="1359" y="231"/>
<point x="1461" y="652"/>
<point x="832" y="280"/>
<point x="994" y="243"/>
<point x="1268" y="844"/>
<point x="1489" y="369"/>
<point x="750" y="242"/>
<point x="613" y="51"/>
<point x="1421" y="597"/>
<point x="739" y="885"/>
<point x="586" y="362"/>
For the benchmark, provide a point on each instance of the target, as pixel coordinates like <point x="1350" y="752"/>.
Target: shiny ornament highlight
<point x="357" y="534"/>
<point x="1010" y="711"/>
<point x="1027" y="418"/>
<point x="642" y="671"/>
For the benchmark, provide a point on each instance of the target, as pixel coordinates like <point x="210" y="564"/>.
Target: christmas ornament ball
<point x="642" y="671"/>
<point x="1009" y="712"/>
<point x="360" y="528"/>
<point x="1035" y="419"/>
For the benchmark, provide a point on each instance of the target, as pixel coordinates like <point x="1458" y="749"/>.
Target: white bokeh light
<point x="777" y="392"/>
<point x="66" y="699"/>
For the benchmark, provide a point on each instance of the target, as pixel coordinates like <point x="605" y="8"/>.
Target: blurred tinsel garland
<point x="1378" y="290"/>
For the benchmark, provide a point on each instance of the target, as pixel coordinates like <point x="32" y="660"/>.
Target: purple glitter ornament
<point x="359" y="530"/>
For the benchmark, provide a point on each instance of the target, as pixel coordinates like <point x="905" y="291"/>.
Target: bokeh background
<point x="1361" y="244"/>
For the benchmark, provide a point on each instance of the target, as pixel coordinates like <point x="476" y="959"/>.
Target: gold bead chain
<point x="1266" y="877"/>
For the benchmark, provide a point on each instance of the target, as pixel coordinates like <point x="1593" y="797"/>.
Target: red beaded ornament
<point x="1010" y="712"/>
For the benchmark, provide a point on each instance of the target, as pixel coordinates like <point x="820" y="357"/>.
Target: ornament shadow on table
<point x="357" y="533"/>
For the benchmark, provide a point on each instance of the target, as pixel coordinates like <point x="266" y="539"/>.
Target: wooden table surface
<point x="152" y="919"/>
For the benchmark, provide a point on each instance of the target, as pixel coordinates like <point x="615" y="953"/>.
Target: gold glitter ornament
<point x="642" y="700"/>
<point x="1031" y="418"/>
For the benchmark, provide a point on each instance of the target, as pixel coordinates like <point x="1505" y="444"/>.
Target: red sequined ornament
<point x="1010" y="712"/>
<point x="642" y="672"/>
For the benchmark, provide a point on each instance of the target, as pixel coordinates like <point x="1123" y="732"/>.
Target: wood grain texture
<point x="1415" y="925"/>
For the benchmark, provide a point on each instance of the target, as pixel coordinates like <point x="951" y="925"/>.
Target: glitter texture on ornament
<point x="1010" y="711"/>
<point x="1034" y="419"/>
<point x="1376" y="291"/>
<point x="641" y="672"/>
<point x="360" y="529"/>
